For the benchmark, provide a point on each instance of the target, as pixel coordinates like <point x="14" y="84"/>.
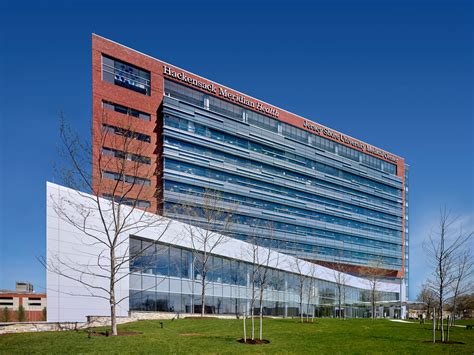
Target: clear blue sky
<point x="397" y="74"/>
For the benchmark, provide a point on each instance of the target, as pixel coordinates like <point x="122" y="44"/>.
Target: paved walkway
<point x="404" y="321"/>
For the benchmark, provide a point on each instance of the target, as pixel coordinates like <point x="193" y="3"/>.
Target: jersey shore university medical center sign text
<point x="243" y="100"/>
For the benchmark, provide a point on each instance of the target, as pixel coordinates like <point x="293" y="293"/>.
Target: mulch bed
<point x="254" y="341"/>
<point x="108" y="334"/>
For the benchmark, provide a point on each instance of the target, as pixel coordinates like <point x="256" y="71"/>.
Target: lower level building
<point x="162" y="275"/>
<point x="22" y="304"/>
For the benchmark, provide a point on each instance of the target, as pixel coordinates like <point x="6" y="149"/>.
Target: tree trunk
<point x="252" y="306"/>
<point x="453" y="316"/>
<point x="261" y="312"/>
<point x="253" y="323"/>
<point x="245" y="327"/>
<point x="373" y="305"/>
<point x="301" y="312"/>
<point x="339" y="301"/>
<point x="344" y="302"/>
<point x="113" y="315"/>
<point x="301" y="304"/>
<point x="113" y="318"/>
<point x="307" y="310"/>
<point x="441" y="314"/>
<point x="203" y="296"/>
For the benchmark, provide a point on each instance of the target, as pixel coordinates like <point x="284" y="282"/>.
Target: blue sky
<point x="397" y="74"/>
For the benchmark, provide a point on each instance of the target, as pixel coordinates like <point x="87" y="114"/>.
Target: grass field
<point x="354" y="336"/>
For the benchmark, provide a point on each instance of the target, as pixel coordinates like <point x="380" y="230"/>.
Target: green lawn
<point x="355" y="336"/>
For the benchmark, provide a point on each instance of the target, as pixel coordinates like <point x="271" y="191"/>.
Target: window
<point x="126" y="178"/>
<point x="225" y="108"/>
<point x="347" y="152"/>
<point x="176" y="267"/>
<point x="6" y="301"/>
<point x="128" y="76"/>
<point x="126" y="110"/>
<point x="127" y="156"/>
<point x="262" y="121"/>
<point x="184" y="93"/>
<point x="126" y="133"/>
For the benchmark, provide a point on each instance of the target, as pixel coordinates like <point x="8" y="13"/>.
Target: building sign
<point x="256" y="105"/>
<point x="333" y="135"/>
<point x="221" y="91"/>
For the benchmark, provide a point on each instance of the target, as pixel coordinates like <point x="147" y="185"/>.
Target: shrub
<point x="21" y="314"/>
<point x="5" y="315"/>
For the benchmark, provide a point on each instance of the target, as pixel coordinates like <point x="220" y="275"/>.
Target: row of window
<point x="126" y="133"/>
<point x="126" y="156"/>
<point x="128" y="201"/>
<point x="151" y="301"/>
<point x="126" y="110"/>
<point x="126" y="178"/>
<point x="283" y="236"/>
<point x="155" y="258"/>
<point x="289" y="247"/>
<point x="364" y="256"/>
<point x="269" y="172"/>
<point x="276" y="153"/>
<point x="310" y="197"/>
<point x="361" y="242"/>
<point x="283" y="244"/>
<point x="241" y="200"/>
<point x="329" y="219"/>
<point x="333" y="191"/>
<point x="234" y="111"/>
<point x="126" y="75"/>
<point x="191" y="169"/>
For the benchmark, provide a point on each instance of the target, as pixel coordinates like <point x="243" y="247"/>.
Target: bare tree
<point x="265" y="256"/>
<point x="462" y="274"/>
<point x="428" y="297"/>
<point x="259" y="250"/>
<point x="340" y="278"/>
<point x="261" y="257"/>
<point x="465" y="304"/>
<point x="302" y="278"/>
<point x="374" y="274"/>
<point x="253" y="280"/>
<point x="262" y="279"/>
<point x="117" y="167"/>
<point x="442" y="249"/>
<point x="210" y="222"/>
<point x="311" y="292"/>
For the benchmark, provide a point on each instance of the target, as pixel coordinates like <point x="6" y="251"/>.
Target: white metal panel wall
<point x="69" y="300"/>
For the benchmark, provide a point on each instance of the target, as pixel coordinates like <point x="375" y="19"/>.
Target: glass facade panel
<point x="324" y="199"/>
<point x="159" y="265"/>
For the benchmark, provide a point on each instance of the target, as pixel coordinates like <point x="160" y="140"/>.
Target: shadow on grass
<point x="450" y="342"/>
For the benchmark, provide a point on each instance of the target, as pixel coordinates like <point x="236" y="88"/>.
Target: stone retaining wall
<point x="96" y="321"/>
